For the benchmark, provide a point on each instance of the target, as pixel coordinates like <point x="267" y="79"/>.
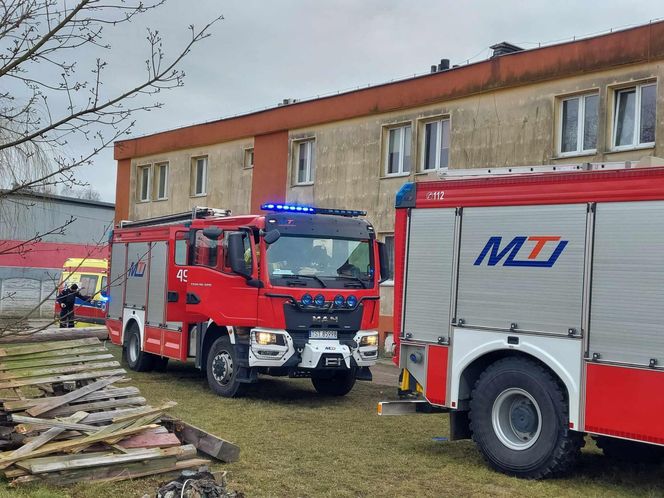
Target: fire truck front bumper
<point x="277" y="348"/>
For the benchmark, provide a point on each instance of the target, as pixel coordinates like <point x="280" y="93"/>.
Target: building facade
<point x="592" y="100"/>
<point x="38" y="233"/>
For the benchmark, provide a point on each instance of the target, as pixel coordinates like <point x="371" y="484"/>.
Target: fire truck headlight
<point x="339" y="300"/>
<point x="351" y="301"/>
<point x="267" y="338"/>
<point x="319" y="300"/>
<point x="369" y="340"/>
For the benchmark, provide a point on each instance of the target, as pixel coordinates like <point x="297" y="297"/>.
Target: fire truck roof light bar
<point x="295" y="208"/>
<point x="195" y="213"/>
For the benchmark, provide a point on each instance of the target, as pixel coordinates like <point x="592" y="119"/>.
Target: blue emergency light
<point x="295" y="208"/>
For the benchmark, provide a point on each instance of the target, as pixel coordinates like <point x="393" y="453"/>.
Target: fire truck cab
<point x="290" y="293"/>
<point x="529" y="303"/>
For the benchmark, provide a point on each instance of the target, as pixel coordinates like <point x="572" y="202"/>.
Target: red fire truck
<point x="529" y="303"/>
<point x="290" y="293"/>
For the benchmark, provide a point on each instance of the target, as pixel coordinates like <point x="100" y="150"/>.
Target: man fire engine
<point x="290" y="293"/>
<point x="529" y="303"/>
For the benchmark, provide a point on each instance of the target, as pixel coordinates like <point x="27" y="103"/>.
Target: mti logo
<point x="496" y="254"/>
<point x="136" y="269"/>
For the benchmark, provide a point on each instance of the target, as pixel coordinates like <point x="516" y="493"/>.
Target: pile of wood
<point x="66" y="415"/>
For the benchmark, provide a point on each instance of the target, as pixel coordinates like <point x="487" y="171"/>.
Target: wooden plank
<point x="97" y="405"/>
<point x="107" y="416"/>
<point x="60" y="378"/>
<point x="204" y="441"/>
<point x="25" y="464"/>
<point x="67" y="463"/>
<point x="150" y="439"/>
<point x="102" y="394"/>
<point x="47" y="422"/>
<point x="41" y="372"/>
<point x="51" y="403"/>
<point x="46" y="436"/>
<point x="54" y="354"/>
<point x="21" y="348"/>
<point x="151" y="411"/>
<point x="163" y="466"/>
<point x="58" y="360"/>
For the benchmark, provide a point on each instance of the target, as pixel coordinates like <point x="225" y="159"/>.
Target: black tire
<point x="221" y="369"/>
<point x="338" y="383"/>
<point x="519" y="420"/>
<point x="629" y="451"/>
<point x="137" y="360"/>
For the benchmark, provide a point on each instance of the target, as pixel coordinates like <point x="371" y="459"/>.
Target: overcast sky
<point x="265" y="51"/>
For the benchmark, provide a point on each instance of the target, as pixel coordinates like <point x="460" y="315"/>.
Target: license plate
<point x="322" y="334"/>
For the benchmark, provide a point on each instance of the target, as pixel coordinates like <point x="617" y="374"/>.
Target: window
<point x="248" y="158"/>
<point x="398" y="150"/>
<point x="88" y="284"/>
<point x="436" y="145"/>
<point x="161" y="179"/>
<point x="578" y="124"/>
<point x="304" y="160"/>
<point x="198" y="175"/>
<point x="389" y="247"/>
<point x="206" y="250"/>
<point x="634" y="117"/>
<point x="144" y="183"/>
<point x="180" y="249"/>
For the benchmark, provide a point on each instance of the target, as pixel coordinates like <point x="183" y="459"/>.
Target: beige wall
<point x="228" y="181"/>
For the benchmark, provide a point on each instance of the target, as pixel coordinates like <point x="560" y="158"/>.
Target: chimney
<point x="434" y="68"/>
<point x="444" y="65"/>
<point x="504" y="48"/>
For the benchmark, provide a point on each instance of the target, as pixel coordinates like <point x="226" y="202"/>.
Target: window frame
<point x="402" y="144"/>
<point x="580" y="124"/>
<point x="439" y="136"/>
<point x="248" y="152"/>
<point x="310" y="168"/>
<point x="157" y="169"/>
<point x="140" y="177"/>
<point x="636" y="144"/>
<point x="194" y="176"/>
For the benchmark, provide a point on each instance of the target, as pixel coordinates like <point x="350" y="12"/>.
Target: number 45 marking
<point x="181" y="275"/>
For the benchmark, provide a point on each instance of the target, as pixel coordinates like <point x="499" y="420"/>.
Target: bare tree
<point x="49" y="98"/>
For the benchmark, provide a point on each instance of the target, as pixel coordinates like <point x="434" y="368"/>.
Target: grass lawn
<point x="295" y="443"/>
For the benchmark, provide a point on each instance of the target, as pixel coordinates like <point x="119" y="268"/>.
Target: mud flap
<point x="363" y="373"/>
<point x="459" y="425"/>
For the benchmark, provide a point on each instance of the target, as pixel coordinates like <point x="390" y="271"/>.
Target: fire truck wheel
<point x="337" y="384"/>
<point x="629" y="451"/>
<point x="519" y="420"/>
<point x="222" y="369"/>
<point x="138" y="360"/>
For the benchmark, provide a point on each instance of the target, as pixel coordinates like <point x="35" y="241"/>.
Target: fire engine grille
<point x="301" y="337"/>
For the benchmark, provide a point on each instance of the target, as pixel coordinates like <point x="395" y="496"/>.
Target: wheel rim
<point x="516" y="419"/>
<point x="222" y="367"/>
<point x="133" y="348"/>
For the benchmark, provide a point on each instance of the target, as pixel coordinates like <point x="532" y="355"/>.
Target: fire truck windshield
<point x="320" y="262"/>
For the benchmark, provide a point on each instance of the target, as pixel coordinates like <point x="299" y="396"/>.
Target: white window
<point x="578" y="124"/>
<point x="248" y="158"/>
<point x="397" y="159"/>
<point x="144" y="183"/>
<point x="305" y="158"/>
<point x="634" y="117"/>
<point x="161" y="179"/>
<point x="199" y="175"/>
<point x="436" y="145"/>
